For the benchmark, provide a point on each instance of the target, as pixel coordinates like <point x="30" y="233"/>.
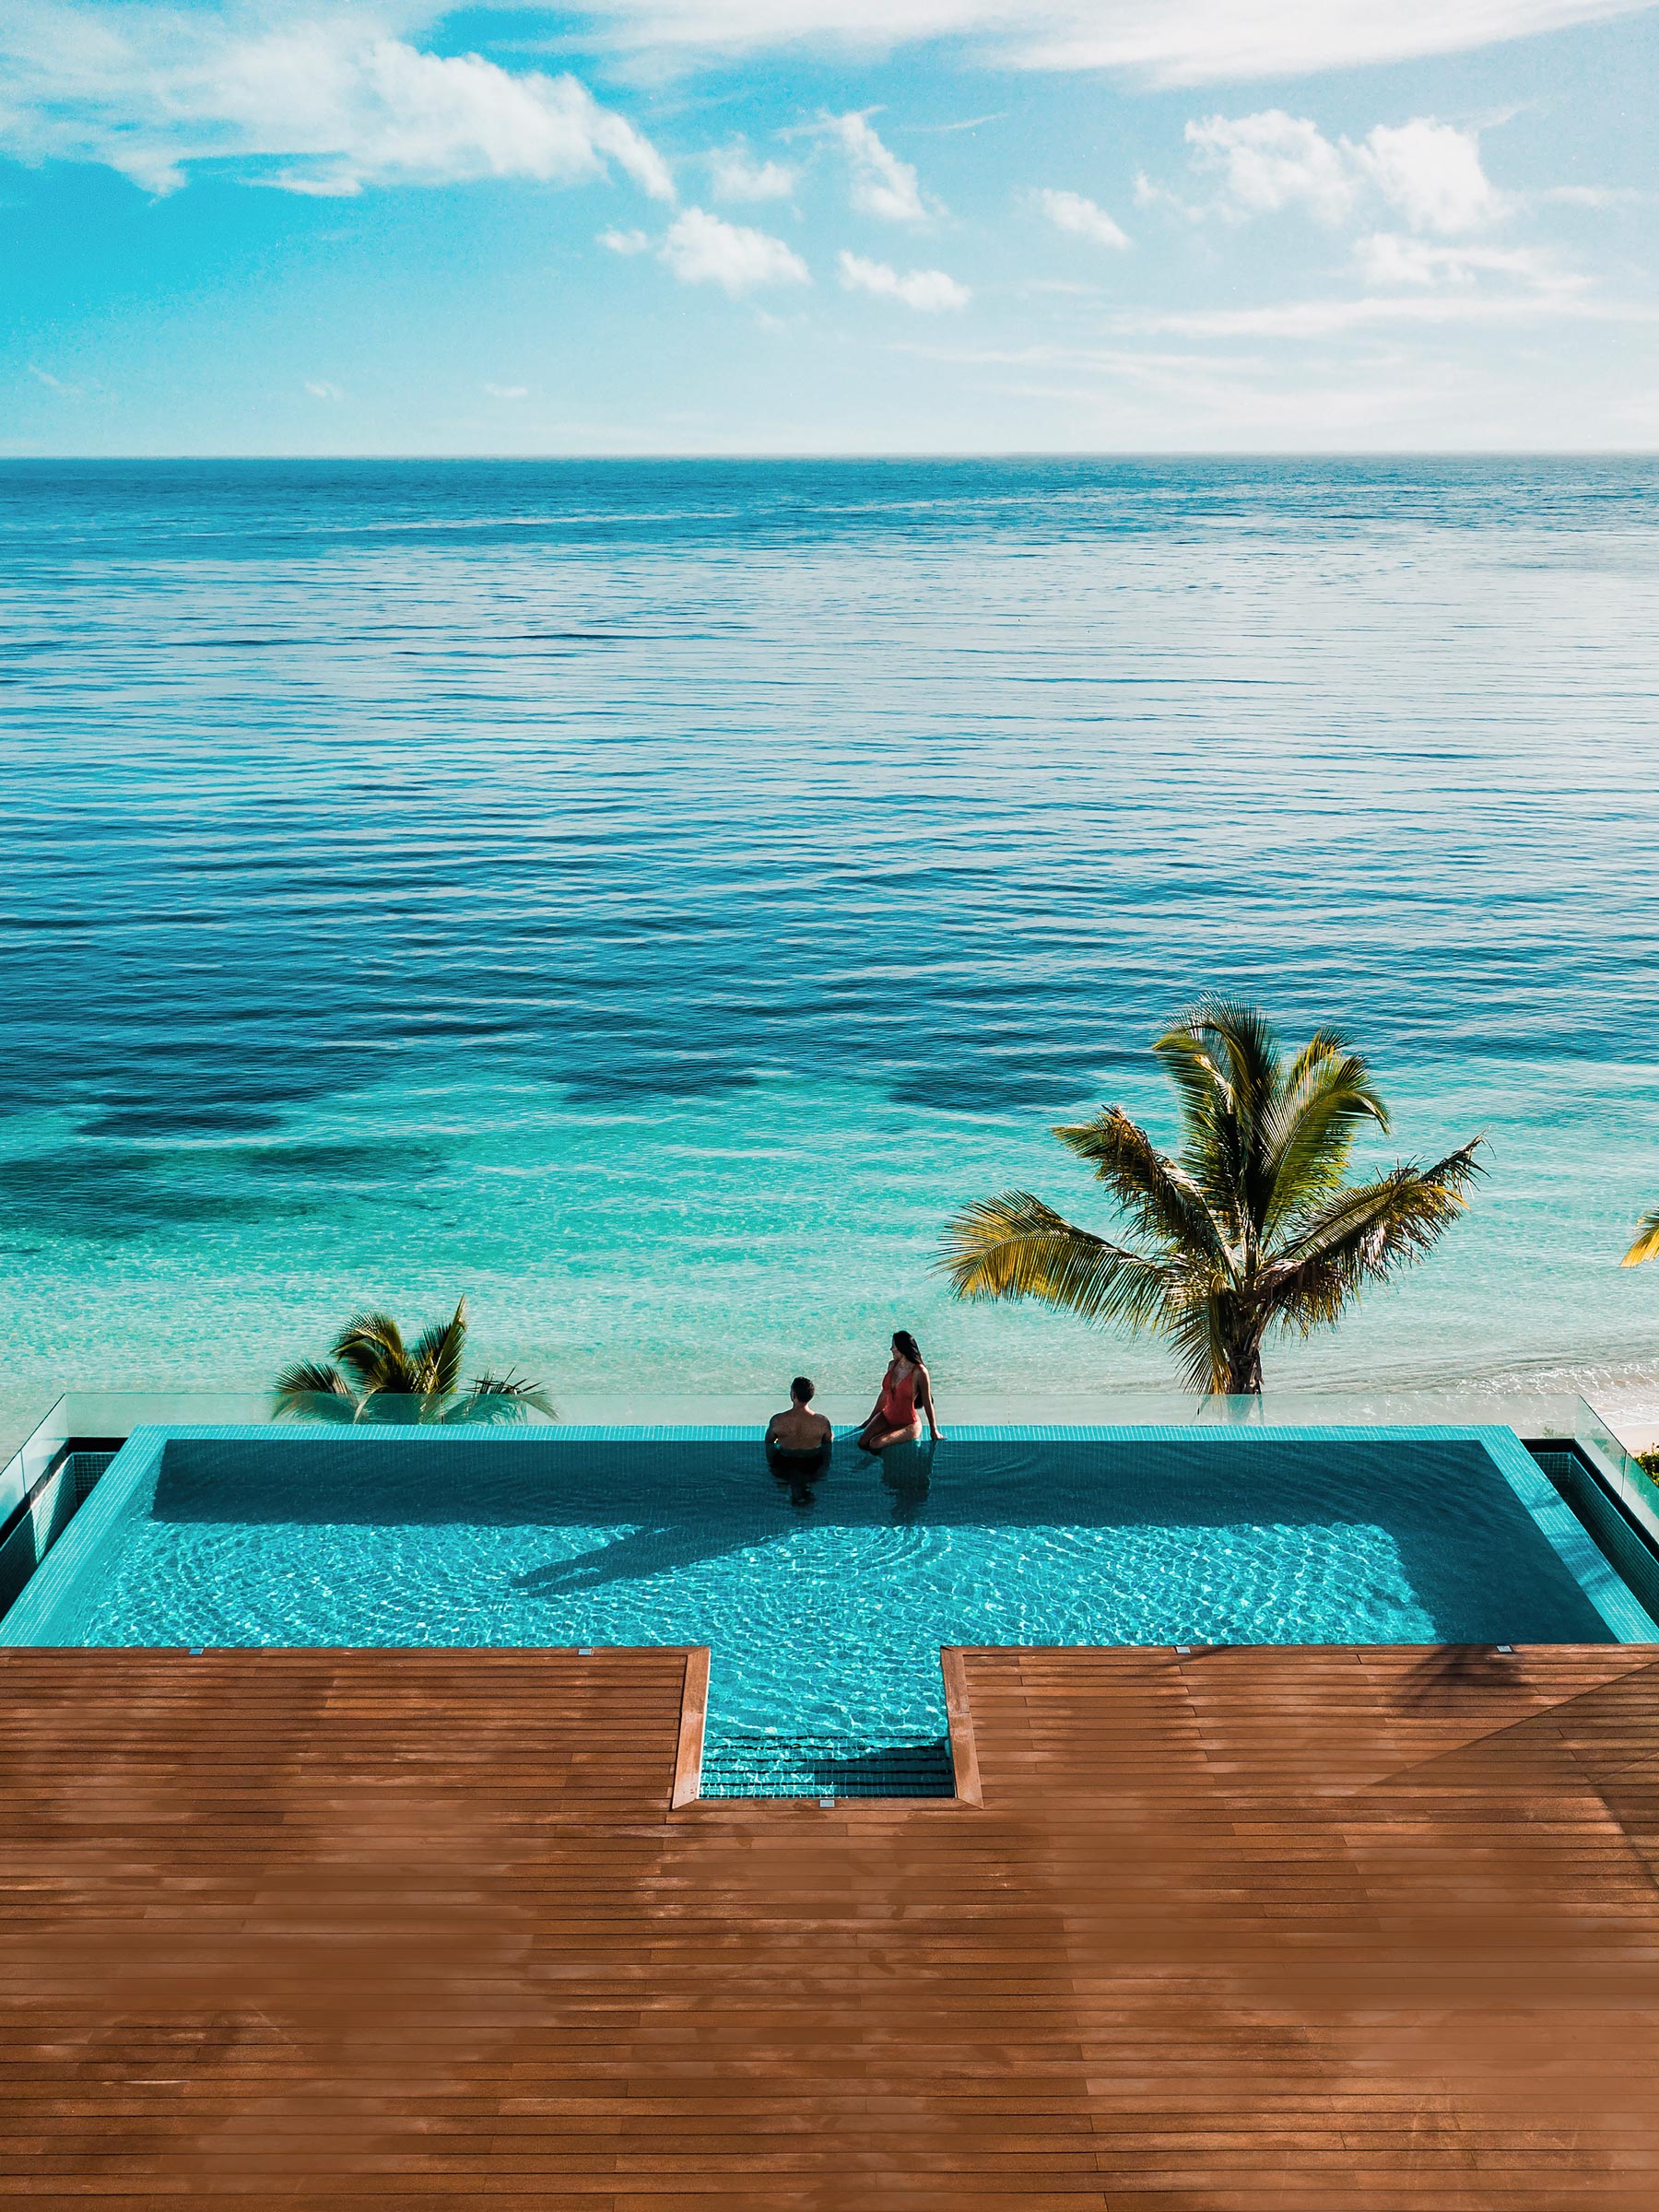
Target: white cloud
<point x="149" y="90"/>
<point x="968" y="123"/>
<point x="928" y="290"/>
<point x="1149" y="192"/>
<point x="1431" y="172"/>
<point x="738" y="176"/>
<point x="1387" y="257"/>
<point x="624" y="241"/>
<point x="1070" y="211"/>
<point x="320" y="388"/>
<point x="1271" y="161"/>
<point x="1323" y="398"/>
<point x="1331" y="318"/>
<point x="882" y="184"/>
<point x="337" y="94"/>
<point x="508" y="391"/>
<point x="343" y="185"/>
<point x="1593" y="196"/>
<point x="1167" y="41"/>
<point x="700" y="248"/>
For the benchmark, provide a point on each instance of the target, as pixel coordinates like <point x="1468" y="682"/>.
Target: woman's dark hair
<point x="905" y="1345"/>
<point x="800" y="1390"/>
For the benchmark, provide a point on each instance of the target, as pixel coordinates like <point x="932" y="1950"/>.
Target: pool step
<point x="821" y="1766"/>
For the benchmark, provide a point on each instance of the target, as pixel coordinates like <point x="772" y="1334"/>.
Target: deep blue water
<point x="650" y="896"/>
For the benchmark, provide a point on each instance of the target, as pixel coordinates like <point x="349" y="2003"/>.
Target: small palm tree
<point x="1647" y="1241"/>
<point x="378" y="1374"/>
<point x="1250" y="1227"/>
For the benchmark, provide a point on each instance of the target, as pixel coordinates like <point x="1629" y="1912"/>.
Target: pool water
<point x="825" y="1601"/>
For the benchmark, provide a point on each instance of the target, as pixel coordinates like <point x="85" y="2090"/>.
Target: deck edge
<point x="694" y="1711"/>
<point x="958" y="1714"/>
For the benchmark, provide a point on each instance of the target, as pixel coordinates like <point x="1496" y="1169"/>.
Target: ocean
<point x="650" y="896"/>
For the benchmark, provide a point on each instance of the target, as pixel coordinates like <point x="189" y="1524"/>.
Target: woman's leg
<point x="876" y="1439"/>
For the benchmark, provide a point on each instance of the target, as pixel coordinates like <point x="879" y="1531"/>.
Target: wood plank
<point x="1261" y="1929"/>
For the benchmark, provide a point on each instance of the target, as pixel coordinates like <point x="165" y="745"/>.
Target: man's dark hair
<point x="800" y="1390"/>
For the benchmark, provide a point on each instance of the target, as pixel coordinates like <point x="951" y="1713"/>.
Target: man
<point x="798" y="1432"/>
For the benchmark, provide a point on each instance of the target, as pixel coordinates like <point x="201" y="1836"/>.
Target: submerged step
<point x="818" y="1766"/>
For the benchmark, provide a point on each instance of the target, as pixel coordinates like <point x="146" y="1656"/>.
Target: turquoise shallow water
<point x="825" y="1602"/>
<point x="649" y="896"/>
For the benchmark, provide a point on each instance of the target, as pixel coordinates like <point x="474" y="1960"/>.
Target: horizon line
<point x="1214" y="452"/>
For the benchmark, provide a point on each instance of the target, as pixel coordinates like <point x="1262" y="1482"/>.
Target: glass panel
<point x="98" y="1413"/>
<point x="29" y="1463"/>
<point x="1623" y="1473"/>
<point x="114" y="1413"/>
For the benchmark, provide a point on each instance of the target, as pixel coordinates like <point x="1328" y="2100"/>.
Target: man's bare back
<point x="799" y="1429"/>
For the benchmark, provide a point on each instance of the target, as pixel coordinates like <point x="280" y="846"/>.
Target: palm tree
<point x="1250" y="1227"/>
<point x="1647" y="1241"/>
<point x="378" y="1376"/>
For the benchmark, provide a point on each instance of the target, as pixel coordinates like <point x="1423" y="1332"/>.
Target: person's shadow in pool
<point x="644" y="1552"/>
<point x="665" y="1546"/>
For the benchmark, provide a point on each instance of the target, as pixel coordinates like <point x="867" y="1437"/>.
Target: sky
<point x="297" y="226"/>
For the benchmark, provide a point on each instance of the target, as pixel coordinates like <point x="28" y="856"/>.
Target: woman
<point x="906" y="1396"/>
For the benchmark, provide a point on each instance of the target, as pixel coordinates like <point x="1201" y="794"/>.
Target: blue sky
<point x="806" y="226"/>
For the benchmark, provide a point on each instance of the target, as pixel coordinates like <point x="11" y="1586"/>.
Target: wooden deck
<point x="1375" y="1930"/>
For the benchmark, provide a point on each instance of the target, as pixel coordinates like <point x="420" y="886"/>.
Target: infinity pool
<point x="825" y="1602"/>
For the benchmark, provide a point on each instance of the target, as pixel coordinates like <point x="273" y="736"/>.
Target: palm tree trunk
<point x="1243" y="1356"/>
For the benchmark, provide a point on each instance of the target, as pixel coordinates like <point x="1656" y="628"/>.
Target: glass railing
<point x="92" y="1414"/>
<point x="1620" y="1470"/>
<point x="109" y="1415"/>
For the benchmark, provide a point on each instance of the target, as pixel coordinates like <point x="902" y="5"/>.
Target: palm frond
<point x="1322" y="1049"/>
<point x="492" y="1401"/>
<point x="1308" y="1133"/>
<point x="516" y="1387"/>
<point x="372" y="1346"/>
<point x="1194" y="1328"/>
<point x="1223" y="1057"/>
<point x="481" y="1413"/>
<point x="314" y="1391"/>
<point x="438" y="1353"/>
<point x="1365" y="1234"/>
<point x="399" y="1409"/>
<point x="1014" y="1247"/>
<point x="1163" y="1199"/>
<point x="1249" y="1049"/>
<point x="1647" y="1241"/>
<point x="1200" y="1084"/>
